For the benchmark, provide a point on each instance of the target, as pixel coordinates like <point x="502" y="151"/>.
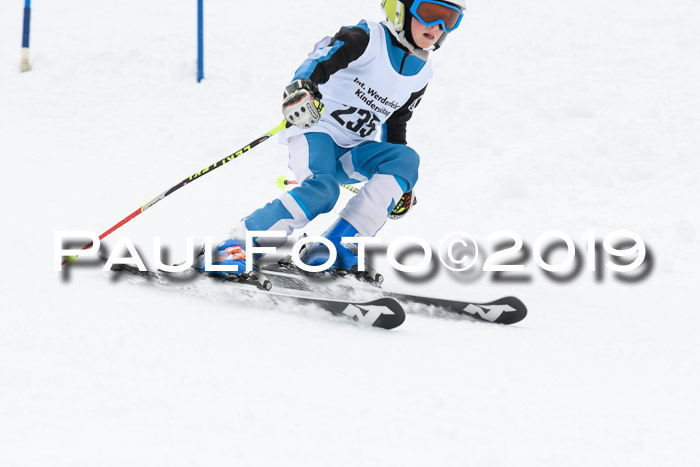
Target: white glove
<point x="302" y="104"/>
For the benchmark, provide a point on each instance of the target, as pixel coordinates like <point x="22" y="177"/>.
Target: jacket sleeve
<point x="345" y="47"/>
<point x="394" y="130"/>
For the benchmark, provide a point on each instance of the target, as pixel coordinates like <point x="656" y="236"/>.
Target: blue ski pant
<point x="320" y="166"/>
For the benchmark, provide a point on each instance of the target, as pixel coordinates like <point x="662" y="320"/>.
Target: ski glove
<point x="407" y="201"/>
<point x="301" y="104"/>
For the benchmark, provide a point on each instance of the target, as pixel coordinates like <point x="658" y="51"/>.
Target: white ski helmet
<point x="397" y="11"/>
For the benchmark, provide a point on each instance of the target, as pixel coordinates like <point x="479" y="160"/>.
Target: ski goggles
<point x="431" y="12"/>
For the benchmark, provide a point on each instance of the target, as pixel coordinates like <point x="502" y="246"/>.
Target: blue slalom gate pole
<point x="200" y="40"/>
<point x="24" y="65"/>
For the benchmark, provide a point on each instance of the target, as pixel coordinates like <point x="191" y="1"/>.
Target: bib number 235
<point x="360" y="121"/>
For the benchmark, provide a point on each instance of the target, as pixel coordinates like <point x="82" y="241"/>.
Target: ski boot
<point x="346" y="261"/>
<point x="231" y="252"/>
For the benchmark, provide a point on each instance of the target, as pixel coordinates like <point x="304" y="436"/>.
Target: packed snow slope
<point x="576" y="116"/>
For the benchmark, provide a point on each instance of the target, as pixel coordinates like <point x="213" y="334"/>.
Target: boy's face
<point x="425" y="36"/>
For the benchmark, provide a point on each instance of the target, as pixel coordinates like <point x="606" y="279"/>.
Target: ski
<point x="384" y="312"/>
<point x="507" y="310"/>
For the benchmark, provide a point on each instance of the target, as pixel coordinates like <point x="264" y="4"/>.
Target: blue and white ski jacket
<point x="369" y="80"/>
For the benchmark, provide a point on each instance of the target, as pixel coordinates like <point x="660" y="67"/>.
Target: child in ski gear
<point x="366" y="80"/>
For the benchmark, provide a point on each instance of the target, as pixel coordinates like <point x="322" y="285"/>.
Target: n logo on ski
<point x="366" y="315"/>
<point x="488" y="312"/>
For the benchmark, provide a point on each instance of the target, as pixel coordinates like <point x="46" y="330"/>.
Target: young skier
<point x="369" y="78"/>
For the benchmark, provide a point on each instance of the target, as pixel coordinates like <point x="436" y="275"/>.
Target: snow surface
<point x="577" y="116"/>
